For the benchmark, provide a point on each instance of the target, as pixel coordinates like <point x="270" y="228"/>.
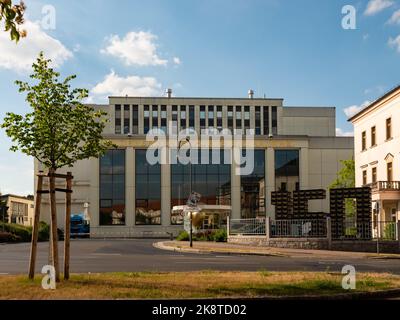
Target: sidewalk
<point x="227" y="248"/>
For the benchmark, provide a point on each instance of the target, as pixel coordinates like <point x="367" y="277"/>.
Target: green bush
<point x="183" y="236"/>
<point x="390" y="231"/>
<point x="8" y="237"/>
<point x="208" y="235"/>
<point x="221" y="236"/>
<point x="24" y="233"/>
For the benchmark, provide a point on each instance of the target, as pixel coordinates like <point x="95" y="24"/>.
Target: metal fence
<point x="304" y="228"/>
<point x="353" y="230"/>
<point x="247" y="227"/>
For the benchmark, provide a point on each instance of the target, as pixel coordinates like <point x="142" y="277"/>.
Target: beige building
<point x="295" y="148"/>
<point x="377" y="153"/>
<point x="20" y="209"/>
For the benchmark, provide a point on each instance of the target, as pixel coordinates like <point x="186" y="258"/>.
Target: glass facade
<point x="148" y="191"/>
<point x="212" y="181"/>
<point x="154" y="121"/>
<point x="274" y="121"/>
<point x="112" y="188"/>
<point x="164" y="118"/>
<point x="211" y="116"/>
<point x="253" y="188"/>
<point x="127" y="119"/>
<point x="230" y="118"/>
<point x="257" y="117"/>
<point x="266" y="121"/>
<point x="191" y="117"/>
<point x="238" y="117"/>
<point x="183" y="117"/>
<point x="287" y="170"/>
<point x="146" y="120"/>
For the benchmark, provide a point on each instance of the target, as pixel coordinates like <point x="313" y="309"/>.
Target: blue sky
<point x="296" y="50"/>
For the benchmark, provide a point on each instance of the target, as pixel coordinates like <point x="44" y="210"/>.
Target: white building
<point x="296" y="148"/>
<point x="377" y="153"/>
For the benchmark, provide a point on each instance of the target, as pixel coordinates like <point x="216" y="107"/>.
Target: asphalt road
<point x="139" y="255"/>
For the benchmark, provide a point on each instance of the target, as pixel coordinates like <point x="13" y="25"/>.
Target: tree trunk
<point x="53" y="226"/>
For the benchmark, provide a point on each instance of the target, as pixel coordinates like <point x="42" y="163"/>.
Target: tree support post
<point x="67" y="225"/>
<point x="35" y="230"/>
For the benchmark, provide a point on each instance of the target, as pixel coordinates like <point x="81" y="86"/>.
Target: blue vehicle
<point x="80" y="228"/>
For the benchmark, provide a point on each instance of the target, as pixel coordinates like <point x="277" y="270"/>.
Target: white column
<point x="269" y="181"/>
<point x="304" y="176"/>
<point x="165" y="195"/>
<point x="130" y="187"/>
<point x="236" y="194"/>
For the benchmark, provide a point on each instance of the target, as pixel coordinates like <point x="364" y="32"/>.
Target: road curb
<point x="162" y="246"/>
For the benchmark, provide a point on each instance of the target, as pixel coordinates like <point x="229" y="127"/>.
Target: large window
<point x="112" y="188"/>
<point x="364" y="141"/>
<point x="374" y="175"/>
<point x="253" y="188"/>
<point x="246" y="118"/>
<point x="212" y="181"/>
<point x="164" y="118"/>
<point x="219" y="117"/>
<point x="183" y="117"/>
<point x="389" y="167"/>
<point x="174" y="120"/>
<point x="154" y="121"/>
<point x="373" y="136"/>
<point x="287" y="170"/>
<point x="148" y="191"/>
<point x="388" y="128"/>
<point x="364" y="177"/>
<point x="118" y="119"/>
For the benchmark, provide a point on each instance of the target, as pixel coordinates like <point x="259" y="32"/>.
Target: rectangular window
<point x="211" y="116"/>
<point x="148" y="190"/>
<point x="183" y="117"/>
<point x="257" y="117"/>
<point x="135" y="119"/>
<point x="287" y="170"/>
<point x="112" y="188"/>
<point x="266" y="120"/>
<point x="252" y="188"/>
<point x="212" y="181"/>
<point x="388" y="129"/>
<point x="202" y="117"/>
<point x="219" y="117"/>
<point x="192" y="117"/>
<point x="364" y="177"/>
<point x="374" y="176"/>
<point x="118" y="119"/>
<point x="174" y="120"/>
<point x="389" y="171"/>
<point x="238" y="117"/>
<point x="146" y="119"/>
<point x="373" y="136"/>
<point x="155" y="117"/>
<point x="364" y="141"/>
<point x="274" y="120"/>
<point x="127" y="118"/>
<point x="230" y="118"/>
<point x="246" y="118"/>
<point x="164" y="118"/>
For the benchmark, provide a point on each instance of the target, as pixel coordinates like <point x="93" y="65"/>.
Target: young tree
<point x="59" y="131"/>
<point x="346" y="177"/>
<point x="13" y="16"/>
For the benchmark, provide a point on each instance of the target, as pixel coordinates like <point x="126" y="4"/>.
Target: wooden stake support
<point x="53" y="234"/>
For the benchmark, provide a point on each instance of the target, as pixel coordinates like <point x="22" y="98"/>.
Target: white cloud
<point x="395" y="43"/>
<point x="19" y="57"/>
<point x="395" y="19"/>
<point x="341" y="133"/>
<point x="115" y="85"/>
<point x="352" y="110"/>
<point x="366" y="37"/>
<point x="177" y="60"/>
<point x="136" y="48"/>
<point x="376" y="6"/>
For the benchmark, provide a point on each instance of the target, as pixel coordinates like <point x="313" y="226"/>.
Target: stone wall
<point x="318" y="244"/>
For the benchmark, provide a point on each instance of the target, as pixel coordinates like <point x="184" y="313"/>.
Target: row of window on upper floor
<point x="183" y="117"/>
<point x="374" y="135"/>
<point x="374" y="175"/>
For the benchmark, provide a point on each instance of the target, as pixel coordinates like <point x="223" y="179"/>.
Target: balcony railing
<point x="385" y="186"/>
